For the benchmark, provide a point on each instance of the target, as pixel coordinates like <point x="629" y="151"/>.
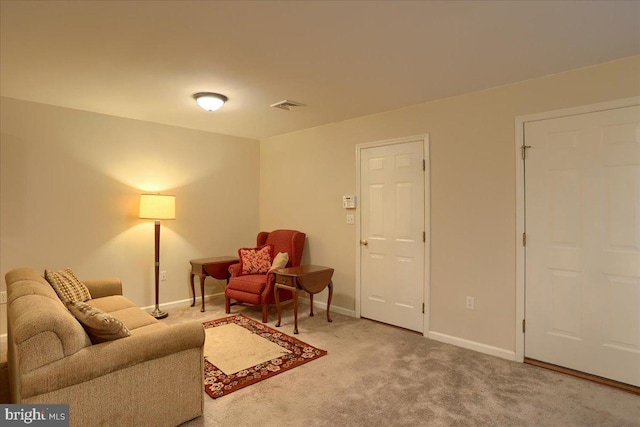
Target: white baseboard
<point x="318" y="304"/>
<point x="472" y="345"/>
<point x="182" y="302"/>
<point x="334" y="309"/>
<point x="436" y="336"/>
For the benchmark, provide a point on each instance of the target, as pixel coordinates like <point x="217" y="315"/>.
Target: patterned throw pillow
<point x="99" y="325"/>
<point x="67" y="286"/>
<point x="255" y="260"/>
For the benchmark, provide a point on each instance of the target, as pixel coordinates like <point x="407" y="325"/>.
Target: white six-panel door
<point x="392" y="226"/>
<point x="582" y="281"/>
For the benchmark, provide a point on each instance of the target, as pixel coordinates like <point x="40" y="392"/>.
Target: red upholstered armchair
<point x="258" y="289"/>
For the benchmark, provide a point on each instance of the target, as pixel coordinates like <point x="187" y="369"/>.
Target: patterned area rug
<point x="217" y="383"/>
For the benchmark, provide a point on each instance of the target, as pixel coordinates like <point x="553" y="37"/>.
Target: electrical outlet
<point x="3" y="297"/>
<point x="350" y="219"/>
<point x="163" y="276"/>
<point x="471" y="302"/>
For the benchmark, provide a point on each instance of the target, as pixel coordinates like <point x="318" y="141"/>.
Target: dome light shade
<point x="210" y="101"/>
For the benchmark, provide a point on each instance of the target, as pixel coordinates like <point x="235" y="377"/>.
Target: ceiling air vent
<point x="287" y="105"/>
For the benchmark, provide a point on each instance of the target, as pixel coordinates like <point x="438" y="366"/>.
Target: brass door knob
<point x="364" y="242"/>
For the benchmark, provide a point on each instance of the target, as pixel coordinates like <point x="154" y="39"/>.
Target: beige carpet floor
<point x="377" y="375"/>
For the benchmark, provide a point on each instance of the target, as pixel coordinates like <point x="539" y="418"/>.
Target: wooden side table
<point x="308" y="278"/>
<point x="216" y="267"/>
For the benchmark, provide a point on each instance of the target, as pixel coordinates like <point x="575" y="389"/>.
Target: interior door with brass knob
<point x="392" y="250"/>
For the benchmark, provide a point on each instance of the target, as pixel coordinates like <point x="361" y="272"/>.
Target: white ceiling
<point x="145" y="59"/>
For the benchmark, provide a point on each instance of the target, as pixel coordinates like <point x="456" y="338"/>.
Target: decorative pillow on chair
<point x="280" y="261"/>
<point x="255" y="260"/>
<point x="67" y="286"/>
<point x="99" y="325"/>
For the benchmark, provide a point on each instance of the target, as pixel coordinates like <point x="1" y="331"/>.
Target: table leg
<point x="311" y="309"/>
<point x="202" y="291"/>
<point x="277" y="295"/>
<point x="295" y="310"/>
<point x="193" y="291"/>
<point x="329" y="300"/>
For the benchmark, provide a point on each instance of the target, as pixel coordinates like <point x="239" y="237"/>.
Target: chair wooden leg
<point x="227" y="305"/>
<point x="265" y="313"/>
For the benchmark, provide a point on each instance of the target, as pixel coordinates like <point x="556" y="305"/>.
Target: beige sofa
<point x="151" y="378"/>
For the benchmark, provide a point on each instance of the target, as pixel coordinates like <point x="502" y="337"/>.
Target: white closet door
<point x="582" y="284"/>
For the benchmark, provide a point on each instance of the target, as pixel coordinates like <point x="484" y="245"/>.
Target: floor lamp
<point x="157" y="207"/>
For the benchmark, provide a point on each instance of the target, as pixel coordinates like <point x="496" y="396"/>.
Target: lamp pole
<point x="157" y="313"/>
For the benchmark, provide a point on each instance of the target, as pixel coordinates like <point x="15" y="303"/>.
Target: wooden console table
<point x="308" y="278"/>
<point x="216" y="267"/>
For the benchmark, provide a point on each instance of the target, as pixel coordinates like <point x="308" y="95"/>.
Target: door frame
<point x="427" y="219"/>
<point x="520" y="199"/>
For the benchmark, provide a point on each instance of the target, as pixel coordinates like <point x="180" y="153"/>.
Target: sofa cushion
<point x="67" y="286"/>
<point x="134" y="318"/>
<point x="255" y="260"/>
<point x="125" y="311"/>
<point x="112" y="303"/>
<point x="99" y="325"/>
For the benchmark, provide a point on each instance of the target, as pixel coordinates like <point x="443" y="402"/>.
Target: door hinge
<point x="524" y="325"/>
<point x="422" y="308"/>
<point x="424" y="165"/>
<point x="523" y="151"/>
<point x="524" y="239"/>
<point x="424" y="236"/>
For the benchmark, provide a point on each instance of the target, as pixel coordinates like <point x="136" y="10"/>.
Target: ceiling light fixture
<point x="210" y="101"/>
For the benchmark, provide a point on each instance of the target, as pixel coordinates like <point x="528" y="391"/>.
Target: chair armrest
<point x="234" y="270"/>
<point x="102" y="359"/>
<point x="99" y="288"/>
<point x="268" y="292"/>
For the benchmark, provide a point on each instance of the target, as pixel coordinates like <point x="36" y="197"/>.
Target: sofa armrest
<point x="99" y="288"/>
<point x="105" y="358"/>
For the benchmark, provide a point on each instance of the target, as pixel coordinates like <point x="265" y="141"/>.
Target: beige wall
<point x="70" y="183"/>
<point x="303" y="176"/>
<point x="70" y="180"/>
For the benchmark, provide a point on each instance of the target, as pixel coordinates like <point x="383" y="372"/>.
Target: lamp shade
<point x="157" y="206"/>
